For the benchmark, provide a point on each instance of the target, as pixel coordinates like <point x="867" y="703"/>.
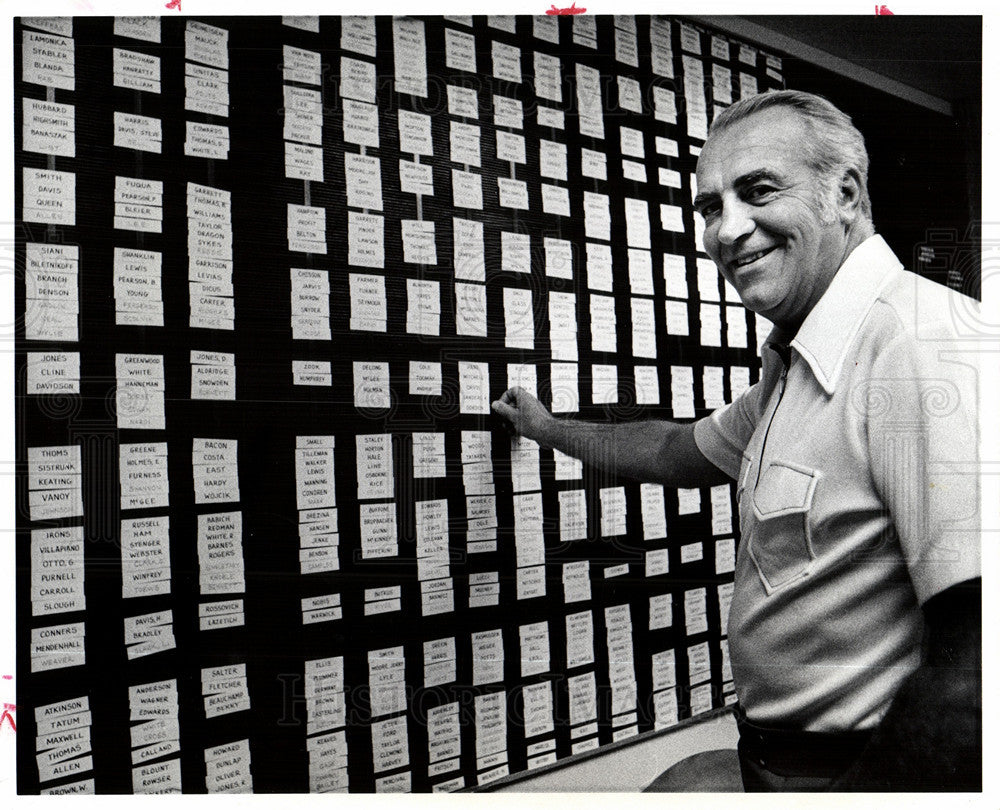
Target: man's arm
<point x="657" y="451"/>
<point x="931" y="737"/>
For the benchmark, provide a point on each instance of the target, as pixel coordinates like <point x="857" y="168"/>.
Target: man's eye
<point x="758" y="192"/>
<point x="709" y="210"/>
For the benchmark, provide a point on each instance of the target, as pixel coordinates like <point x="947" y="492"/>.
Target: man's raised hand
<point x="526" y="415"/>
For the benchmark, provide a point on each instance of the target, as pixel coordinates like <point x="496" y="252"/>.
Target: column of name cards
<point x="326" y="718"/>
<point x="537" y="692"/>
<point x="55" y="492"/>
<point x="209" y="213"/>
<point x="538" y="680"/>
<point x="637" y="167"/>
<point x="388" y="704"/>
<point x="138" y="210"/>
<point x="562" y="264"/>
<point x="621" y="671"/>
<point x="389" y="698"/>
<point x="155" y="736"/>
<point x="366" y="249"/>
<point x="215" y="472"/>
<point x="138" y="200"/>
<point x="437" y="587"/>
<point x="319" y="535"/>
<point x="52" y="309"/>
<point x="518" y="305"/>
<point x="63" y="746"/>
<point x="444" y="732"/>
<point x="444" y="737"/>
<point x="490" y="706"/>
<point x="48" y="56"/>
<point x="302" y="131"/>
<point x="225" y="690"/>
<point x="463" y="156"/>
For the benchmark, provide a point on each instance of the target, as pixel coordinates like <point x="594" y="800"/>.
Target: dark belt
<point x="791" y="752"/>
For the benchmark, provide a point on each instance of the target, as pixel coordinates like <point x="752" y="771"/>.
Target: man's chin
<point x="756" y="301"/>
<point x="765" y="308"/>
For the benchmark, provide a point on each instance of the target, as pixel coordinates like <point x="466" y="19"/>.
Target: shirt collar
<point x="831" y="326"/>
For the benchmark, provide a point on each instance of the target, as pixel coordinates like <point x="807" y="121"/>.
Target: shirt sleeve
<point x="923" y="442"/>
<point x="723" y="435"/>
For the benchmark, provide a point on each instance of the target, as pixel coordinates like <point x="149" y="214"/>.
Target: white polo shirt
<point x="857" y="481"/>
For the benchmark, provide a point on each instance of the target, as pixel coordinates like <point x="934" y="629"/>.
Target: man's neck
<point x="856" y="233"/>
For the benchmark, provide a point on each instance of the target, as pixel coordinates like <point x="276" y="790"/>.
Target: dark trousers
<point x="788" y="760"/>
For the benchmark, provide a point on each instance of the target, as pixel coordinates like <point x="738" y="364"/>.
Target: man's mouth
<point x="750" y="258"/>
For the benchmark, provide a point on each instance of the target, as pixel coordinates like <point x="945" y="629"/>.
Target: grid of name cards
<point x="271" y="536"/>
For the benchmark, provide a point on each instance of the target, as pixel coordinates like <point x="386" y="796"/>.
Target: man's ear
<point x="848" y="195"/>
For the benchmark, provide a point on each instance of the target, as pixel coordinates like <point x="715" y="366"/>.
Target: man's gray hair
<point x="836" y="144"/>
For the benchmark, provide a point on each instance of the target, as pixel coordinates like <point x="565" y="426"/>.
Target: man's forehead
<point x="769" y="141"/>
<point x="746" y="159"/>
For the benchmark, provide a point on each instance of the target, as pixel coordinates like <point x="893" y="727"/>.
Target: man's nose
<point x="735" y="221"/>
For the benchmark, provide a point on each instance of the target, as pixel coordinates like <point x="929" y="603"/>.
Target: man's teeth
<point x="752" y="257"/>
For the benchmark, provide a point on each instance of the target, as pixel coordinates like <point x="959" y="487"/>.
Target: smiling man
<point x="778" y="229"/>
<point x="854" y="628"/>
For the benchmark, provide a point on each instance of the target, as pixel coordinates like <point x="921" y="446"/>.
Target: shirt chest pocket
<point x="779" y="540"/>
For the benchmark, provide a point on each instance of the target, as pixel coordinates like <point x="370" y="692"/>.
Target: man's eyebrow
<point x="757" y="176"/>
<point x="702" y="198"/>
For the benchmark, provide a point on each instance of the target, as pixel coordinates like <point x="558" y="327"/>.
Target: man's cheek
<point x="711" y="245"/>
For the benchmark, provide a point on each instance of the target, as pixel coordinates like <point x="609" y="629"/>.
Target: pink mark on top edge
<point x="552" y="10"/>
